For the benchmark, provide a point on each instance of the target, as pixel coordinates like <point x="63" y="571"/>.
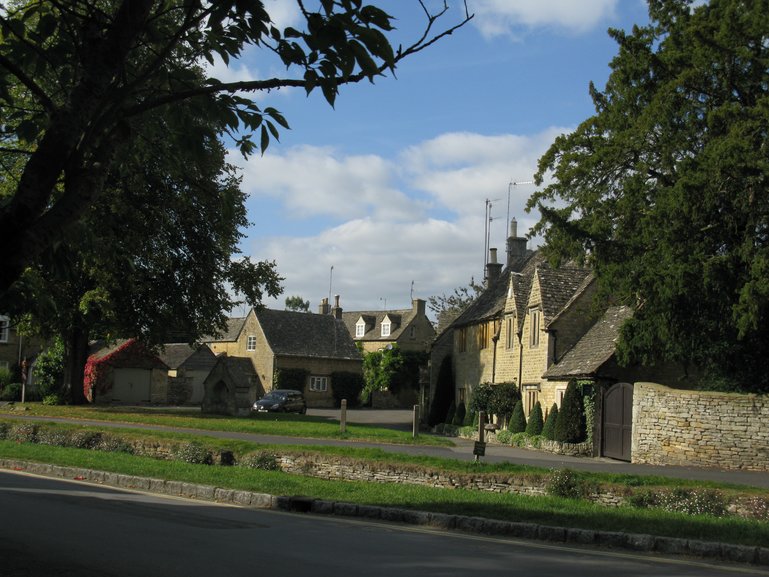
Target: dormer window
<point x="386" y="327"/>
<point x="360" y="328"/>
<point x="5" y="325"/>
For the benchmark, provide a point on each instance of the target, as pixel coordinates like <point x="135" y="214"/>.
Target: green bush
<point x="4" y="428"/>
<point x="535" y="424"/>
<point x="548" y="430"/>
<point x="54" y="437"/>
<point x="260" y="460"/>
<point x="54" y="399"/>
<point x="11" y="392"/>
<point x="680" y="500"/>
<point x="566" y="483"/>
<point x="346" y="385"/>
<point x="85" y="439"/>
<point x="459" y="415"/>
<point x="518" y="420"/>
<point x="450" y="414"/>
<point x="444" y="388"/>
<point x="194" y="453"/>
<point x="471" y="419"/>
<point x="5" y="378"/>
<point x="111" y="444"/>
<point x="504" y="398"/>
<point x="480" y="398"/>
<point x="49" y="370"/>
<point x="23" y="433"/>
<point x="504" y="437"/>
<point x="295" y="379"/>
<point x="570" y="426"/>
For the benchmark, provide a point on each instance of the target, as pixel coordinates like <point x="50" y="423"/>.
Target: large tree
<point x="77" y="77"/>
<point x="664" y="189"/>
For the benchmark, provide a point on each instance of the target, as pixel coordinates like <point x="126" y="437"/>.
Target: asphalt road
<point x="64" y="528"/>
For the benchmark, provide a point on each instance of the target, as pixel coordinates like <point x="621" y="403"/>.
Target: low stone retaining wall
<point x="700" y="428"/>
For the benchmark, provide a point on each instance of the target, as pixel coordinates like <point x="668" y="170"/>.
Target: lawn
<point x="284" y="425"/>
<point x="546" y="510"/>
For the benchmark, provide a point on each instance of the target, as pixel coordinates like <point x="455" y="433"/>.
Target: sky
<point x="390" y="187"/>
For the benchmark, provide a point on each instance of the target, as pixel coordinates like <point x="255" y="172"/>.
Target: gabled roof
<point x="491" y="302"/>
<point x="176" y="355"/>
<point x="400" y="319"/>
<point x="306" y="335"/>
<point x="593" y="349"/>
<point x="558" y="286"/>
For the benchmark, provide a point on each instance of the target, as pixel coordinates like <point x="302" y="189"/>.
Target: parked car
<point x="281" y="401"/>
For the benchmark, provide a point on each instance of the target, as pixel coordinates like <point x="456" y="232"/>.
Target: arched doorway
<point x="617" y="421"/>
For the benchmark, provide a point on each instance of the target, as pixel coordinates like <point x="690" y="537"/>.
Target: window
<point x="509" y="331"/>
<point x="559" y="393"/>
<point x="531" y="396"/>
<point x="483" y="336"/>
<point x="534" y="322"/>
<point x="319" y="384"/>
<point x="386" y="325"/>
<point x="413" y="332"/>
<point x="251" y="343"/>
<point x="360" y="328"/>
<point x="5" y="324"/>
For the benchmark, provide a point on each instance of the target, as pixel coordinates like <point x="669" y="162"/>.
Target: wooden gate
<point x="617" y="421"/>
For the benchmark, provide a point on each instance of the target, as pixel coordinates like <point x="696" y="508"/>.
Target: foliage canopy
<point x="664" y="190"/>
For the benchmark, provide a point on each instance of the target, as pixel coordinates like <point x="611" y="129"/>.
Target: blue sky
<point x="389" y="187"/>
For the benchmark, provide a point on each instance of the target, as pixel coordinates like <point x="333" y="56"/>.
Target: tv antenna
<point x="487" y="232"/>
<point x="509" y="190"/>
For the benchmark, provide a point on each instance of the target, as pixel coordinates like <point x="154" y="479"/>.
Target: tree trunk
<point x="75" y="357"/>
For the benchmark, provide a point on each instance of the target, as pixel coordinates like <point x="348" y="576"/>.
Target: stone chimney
<point x="493" y="268"/>
<point x="419" y="306"/>
<point x="324" y="307"/>
<point x="516" y="245"/>
<point x="337" y="310"/>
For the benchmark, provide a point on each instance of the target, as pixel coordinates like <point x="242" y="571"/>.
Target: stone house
<point x="284" y="340"/>
<point x="409" y="329"/>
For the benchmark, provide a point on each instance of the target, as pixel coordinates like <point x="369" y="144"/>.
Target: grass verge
<point x="543" y="510"/>
<point x="285" y="425"/>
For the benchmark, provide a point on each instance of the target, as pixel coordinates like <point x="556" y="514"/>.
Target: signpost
<point x="479" y="450"/>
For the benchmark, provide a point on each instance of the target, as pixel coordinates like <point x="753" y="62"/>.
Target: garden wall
<point x="700" y="428"/>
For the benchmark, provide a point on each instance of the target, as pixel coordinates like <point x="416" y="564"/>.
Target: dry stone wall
<point x="697" y="428"/>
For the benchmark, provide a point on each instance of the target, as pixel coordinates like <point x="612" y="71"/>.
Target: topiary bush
<point x="503" y="399"/>
<point x="518" y="419"/>
<point x="548" y="430"/>
<point x="444" y="388"/>
<point x="459" y="415"/>
<point x="566" y="483"/>
<point x="536" y="422"/>
<point x="570" y="426"/>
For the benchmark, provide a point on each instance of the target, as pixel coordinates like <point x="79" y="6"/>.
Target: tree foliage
<point x="455" y="302"/>
<point x="298" y="304"/>
<point x="536" y="421"/>
<point x="548" y="430"/>
<point x="380" y="369"/>
<point x="78" y="78"/>
<point x="664" y="190"/>
<point x="517" y="422"/>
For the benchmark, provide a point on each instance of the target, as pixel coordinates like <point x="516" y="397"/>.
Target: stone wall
<point x="697" y="428"/>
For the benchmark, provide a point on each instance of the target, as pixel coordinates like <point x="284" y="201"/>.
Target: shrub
<point x="345" y="385"/>
<point x="504" y="437"/>
<point x="49" y="369"/>
<point x="4" y="428"/>
<point x="290" y="379"/>
<point x="450" y="414"/>
<point x="535" y="424"/>
<point x="471" y="419"/>
<point x="548" y="430"/>
<point x="5" y="377"/>
<point x="194" y="453"/>
<point x="518" y="420"/>
<point x="480" y="399"/>
<point x="687" y="501"/>
<point x="504" y="398"/>
<point x="565" y="483"/>
<point x="23" y="433"/>
<point x="261" y="460"/>
<point x="111" y="444"/>
<point x="85" y="439"/>
<point x="54" y="399"/>
<point x="459" y="415"/>
<point x="570" y="425"/>
<point x="11" y="392"/>
<point x="54" y="437"/>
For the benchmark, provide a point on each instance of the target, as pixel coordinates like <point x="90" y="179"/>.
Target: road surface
<point x="63" y="528"/>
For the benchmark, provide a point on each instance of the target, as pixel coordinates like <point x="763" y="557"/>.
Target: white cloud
<point x="383" y="224"/>
<point x="318" y="181"/>
<point x="504" y="17"/>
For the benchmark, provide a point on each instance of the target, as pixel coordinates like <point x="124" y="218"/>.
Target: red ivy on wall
<point x="132" y="353"/>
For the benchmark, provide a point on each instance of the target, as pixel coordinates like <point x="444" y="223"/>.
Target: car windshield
<point x="273" y="397"/>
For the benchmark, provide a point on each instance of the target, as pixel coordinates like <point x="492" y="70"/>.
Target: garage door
<point x="132" y="385"/>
